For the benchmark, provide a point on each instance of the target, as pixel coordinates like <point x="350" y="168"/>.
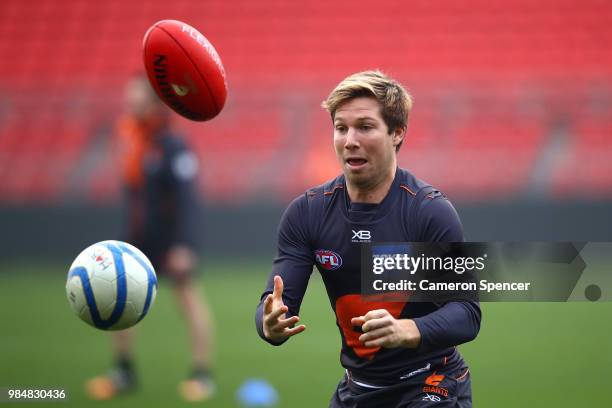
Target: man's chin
<point x="356" y="177"/>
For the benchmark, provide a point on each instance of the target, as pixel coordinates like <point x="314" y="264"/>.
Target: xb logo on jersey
<point x="328" y="259"/>
<point x="361" y="236"/>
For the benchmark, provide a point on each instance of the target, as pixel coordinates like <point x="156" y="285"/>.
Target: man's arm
<point x="453" y="323"/>
<point x="438" y="221"/>
<point x="181" y="256"/>
<point x="184" y="169"/>
<point x="280" y="302"/>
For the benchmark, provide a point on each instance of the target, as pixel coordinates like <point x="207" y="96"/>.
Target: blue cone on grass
<point x="257" y="392"/>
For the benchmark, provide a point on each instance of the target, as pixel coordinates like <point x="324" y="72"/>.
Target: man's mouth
<point x="356" y="161"/>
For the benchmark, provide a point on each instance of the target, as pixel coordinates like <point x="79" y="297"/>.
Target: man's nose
<point x="351" y="139"/>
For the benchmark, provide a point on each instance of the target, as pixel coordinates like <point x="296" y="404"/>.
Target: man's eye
<point x="340" y="128"/>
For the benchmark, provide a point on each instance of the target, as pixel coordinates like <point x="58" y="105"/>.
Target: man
<point x="159" y="172"/>
<point x="395" y="354"/>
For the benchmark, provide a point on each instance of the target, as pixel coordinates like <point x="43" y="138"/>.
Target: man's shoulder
<point x="431" y="211"/>
<point x="326" y="189"/>
<point x="315" y="198"/>
<point x="412" y="184"/>
<point x="423" y="199"/>
<point x="415" y="186"/>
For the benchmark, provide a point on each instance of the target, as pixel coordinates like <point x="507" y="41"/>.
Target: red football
<point x="185" y="70"/>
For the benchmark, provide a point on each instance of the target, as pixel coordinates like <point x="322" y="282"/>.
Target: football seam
<point x="146" y="54"/>
<point x="212" y="97"/>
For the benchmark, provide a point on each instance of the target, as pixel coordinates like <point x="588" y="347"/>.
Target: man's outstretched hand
<point x="276" y="327"/>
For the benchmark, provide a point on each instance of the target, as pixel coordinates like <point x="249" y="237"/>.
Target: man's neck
<point x="371" y="194"/>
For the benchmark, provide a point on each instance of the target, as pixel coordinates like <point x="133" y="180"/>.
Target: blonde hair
<point x="395" y="103"/>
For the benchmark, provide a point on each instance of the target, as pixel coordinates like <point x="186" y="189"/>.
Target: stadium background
<point x="512" y="120"/>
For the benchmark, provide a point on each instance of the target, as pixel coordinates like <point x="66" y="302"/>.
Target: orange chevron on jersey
<point x="349" y="306"/>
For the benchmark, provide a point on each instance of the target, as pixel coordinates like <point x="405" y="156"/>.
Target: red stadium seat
<point x="490" y="79"/>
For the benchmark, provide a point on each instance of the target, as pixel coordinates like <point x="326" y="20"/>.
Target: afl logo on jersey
<point x="328" y="259"/>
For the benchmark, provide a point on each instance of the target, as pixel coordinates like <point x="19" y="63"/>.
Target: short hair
<point x="395" y="103"/>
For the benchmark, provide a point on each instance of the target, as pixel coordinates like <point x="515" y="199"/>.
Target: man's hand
<point x="275" y="327"/>
<point x="383" y="330"/>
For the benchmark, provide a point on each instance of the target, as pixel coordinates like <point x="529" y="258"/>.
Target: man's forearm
<point x="453" y="324"/>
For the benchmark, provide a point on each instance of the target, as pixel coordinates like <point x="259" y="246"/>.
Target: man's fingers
<point x="284" y="323"/>
<point x="376" y="314"/>
<point x="295" y="330"/>
<point x="379" y="342"/>
<point x="282" y="329"/>
<point x="275" y="314"/>
<point x="278" y="288"/>
<point x="375" y="334"/>
<point x="376" y="324"/>
<point x="270" y="319"/>
<point x="268" y="304"/>
<point x="372" y="320"/>
<point x="278" y="324"/>
<point x="274" y="317"/>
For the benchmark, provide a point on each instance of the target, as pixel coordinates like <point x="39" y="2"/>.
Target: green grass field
<point x="527" y="354"/>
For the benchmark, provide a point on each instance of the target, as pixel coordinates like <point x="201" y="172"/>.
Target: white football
<point x="111" y="285"/>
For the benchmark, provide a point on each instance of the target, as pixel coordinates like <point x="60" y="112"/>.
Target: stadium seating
<point x="586" y="169"/>
<point x="490" y="78"/>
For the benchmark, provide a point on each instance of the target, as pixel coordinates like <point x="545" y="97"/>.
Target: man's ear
<point x="398" y="136"/>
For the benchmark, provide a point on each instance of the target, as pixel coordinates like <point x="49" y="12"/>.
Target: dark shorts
<point x="441" y="388"/>
<point x="157" y="255"/>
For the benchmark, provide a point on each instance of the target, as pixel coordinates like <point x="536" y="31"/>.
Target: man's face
<point x="364" y="147"/>
<point x="140" y="100"/>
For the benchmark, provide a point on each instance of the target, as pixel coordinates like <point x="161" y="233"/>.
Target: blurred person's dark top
<point x="159" y="173"/>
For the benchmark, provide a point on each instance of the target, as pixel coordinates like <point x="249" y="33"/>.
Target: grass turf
<point x="527" y="354"/>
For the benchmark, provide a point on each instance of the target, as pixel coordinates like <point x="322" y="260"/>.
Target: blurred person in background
<point x="396" y="354"/>
<point x="158" y="172"/>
